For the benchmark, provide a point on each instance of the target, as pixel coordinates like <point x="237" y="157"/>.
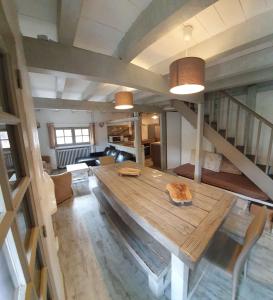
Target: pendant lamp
<point x="187" y="75"/>
<point x="124" y="100"/>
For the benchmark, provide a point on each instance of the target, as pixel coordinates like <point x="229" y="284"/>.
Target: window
<point x="4" y="140"/>
<point x="81" y="135"/>
<point x="71" y="136"/>
<point x="64" y="136"/>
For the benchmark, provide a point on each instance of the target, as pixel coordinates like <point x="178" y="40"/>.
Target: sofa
<point x="93" y="159"/>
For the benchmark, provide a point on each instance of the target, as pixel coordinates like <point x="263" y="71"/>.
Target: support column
<point x="163" y="140"/>
<point x="137" y="141"/>
<point x="199" y="143"/>
<point x="179" y="279"/>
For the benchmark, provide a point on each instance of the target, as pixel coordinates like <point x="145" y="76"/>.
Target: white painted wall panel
<point x="173" y="139"/>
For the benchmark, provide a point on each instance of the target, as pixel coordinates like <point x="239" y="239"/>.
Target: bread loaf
<point x="179" y="192"/>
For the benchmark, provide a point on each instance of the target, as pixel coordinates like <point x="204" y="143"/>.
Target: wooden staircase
<point x="239" y="133"/>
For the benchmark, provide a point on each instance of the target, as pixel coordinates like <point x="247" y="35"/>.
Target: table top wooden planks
<point x="186" y="231"/>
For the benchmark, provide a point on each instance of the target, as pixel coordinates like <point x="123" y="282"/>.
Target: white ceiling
<point x="216" y="19"/>
<point x="38" y="17"/>
<point x="50" y="86"/>
<point x="103" y="23"/>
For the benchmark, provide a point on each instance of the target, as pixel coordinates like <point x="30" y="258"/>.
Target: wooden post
<point x="199" y="141"/>
<point x="137" y="142"/>
<point x="180" y="279"/>
<point x="250" y="119"/>
<point x="163" y="140"/>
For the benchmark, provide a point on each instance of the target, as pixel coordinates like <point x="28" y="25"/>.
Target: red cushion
<point x="232" y="182"/>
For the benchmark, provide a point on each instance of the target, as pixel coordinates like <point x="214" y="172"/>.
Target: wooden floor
<point x="96" y="265"/>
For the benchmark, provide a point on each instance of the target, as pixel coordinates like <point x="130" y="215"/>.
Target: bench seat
<point x="239" y="184"/>
<point x="151" y="256"/>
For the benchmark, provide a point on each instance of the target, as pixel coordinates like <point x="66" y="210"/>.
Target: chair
<point x="232" y="256"/>
<point x="106" y="160"/>
<point x="62" y="186"/>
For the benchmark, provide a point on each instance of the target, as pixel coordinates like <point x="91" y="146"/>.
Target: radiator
<point x="68" y="156"/>
<point x="8" y="160"/>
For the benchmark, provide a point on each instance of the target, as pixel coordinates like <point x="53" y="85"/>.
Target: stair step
<point x="231" y="140"/>
<point x="251" y="157"/>
<point x="262" y="167"/>
<point x="214" y="125"/>
<point x="241" y="148"/>
<point x="222" y="132"/>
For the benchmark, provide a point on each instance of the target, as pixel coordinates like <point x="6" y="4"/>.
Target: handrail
<point x="248" y="109"/>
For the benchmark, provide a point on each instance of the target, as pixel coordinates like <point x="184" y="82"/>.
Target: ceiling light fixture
<point x="155" y="117"/>
<point x="124" y="100"/>
<point x="187" y="75"/>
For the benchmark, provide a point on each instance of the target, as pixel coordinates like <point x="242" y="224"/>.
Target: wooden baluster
<point x="218" y="112"/>
<point x="246" y="132"/>
<point x="227" y="121"/>
<point x="211" y="109"/>
<point x="269" y="152"/>
<point x="258" y="141"/>
<point x="237" y="125"/>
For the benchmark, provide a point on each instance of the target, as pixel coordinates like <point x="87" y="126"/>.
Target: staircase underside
<point x="243" y="163"/>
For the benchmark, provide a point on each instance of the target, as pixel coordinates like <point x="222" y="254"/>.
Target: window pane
<point x="68" y="139"/>
<point x="5" y="144"/>
<point x="79" y="139"/>
<point x="85" y="138"/>
<point x="11" y="155"/>
<point x="2" y="204"/>
<point x="85" y="132"/>
<point x="3" y="135"/>
<point x="78" y="132"/>
<point x="23" y="219"/>
<point x="60" y="140"/>
<point x="59" y="132"/>
<point x="68" y="132"/>
<point x="7" y="287"/>
<point x="4" y="101"/>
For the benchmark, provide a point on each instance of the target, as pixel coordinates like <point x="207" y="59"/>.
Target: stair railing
<point x="215" y="115"/>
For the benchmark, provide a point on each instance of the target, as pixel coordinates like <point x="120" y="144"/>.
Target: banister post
<point x="199" y="143"/>
<point x="138" y="142"/>
<point x="163" y="140"/>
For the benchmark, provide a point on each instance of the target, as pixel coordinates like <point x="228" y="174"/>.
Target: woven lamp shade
<point x="187" y="75"/>
<point x="124" y="100"/>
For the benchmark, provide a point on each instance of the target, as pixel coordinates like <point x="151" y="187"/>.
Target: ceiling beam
<point x="54" y="58"/>
<point x="157" y="19"/>
<point x="45" y="103"/>
<point x="60" y="86"/>
<point x="68" y="17"/>
<point x="241" y="80"/>
<point x="259" y="60"/>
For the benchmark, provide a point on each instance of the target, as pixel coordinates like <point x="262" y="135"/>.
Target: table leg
<point x="179" y="279"/>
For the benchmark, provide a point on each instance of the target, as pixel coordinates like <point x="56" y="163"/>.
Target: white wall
<point x="68" y="118"/>
<point x="173" y="139"/>
<point x="188" y="141"/>
<point x="181" y="139"/>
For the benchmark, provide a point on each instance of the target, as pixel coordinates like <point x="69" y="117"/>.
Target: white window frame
<point x="14" y="266"/>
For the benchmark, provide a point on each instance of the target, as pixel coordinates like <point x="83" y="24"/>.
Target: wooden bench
<point x="152" y="257"/>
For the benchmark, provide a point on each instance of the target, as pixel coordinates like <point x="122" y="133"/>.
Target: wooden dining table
<point x="185" y="231"/>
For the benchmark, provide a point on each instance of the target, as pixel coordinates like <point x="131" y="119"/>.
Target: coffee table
<point x="79" y="171"/>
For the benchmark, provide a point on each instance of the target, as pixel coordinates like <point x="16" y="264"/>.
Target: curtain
<point x="92" y="134"/>
<point x="51" y="135"/>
